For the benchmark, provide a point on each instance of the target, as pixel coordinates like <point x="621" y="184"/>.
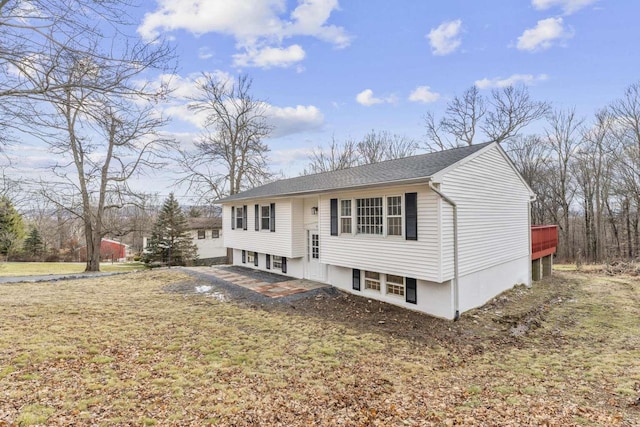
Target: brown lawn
<point x="121" y="350"/>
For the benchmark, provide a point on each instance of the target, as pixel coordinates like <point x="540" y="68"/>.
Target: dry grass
<point x="121" y="351"/>
<point x="13" y="269"/>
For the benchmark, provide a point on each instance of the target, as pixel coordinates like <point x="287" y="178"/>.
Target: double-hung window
<point x="202" y="234"/>
<point x="215" y="234"/>
<point x="372" y="280"/>
<point x="394" y="216"/>
<point x="265" y="216"/>
<point x="345" y="216"/>
<point x="239" y="217"/>
<point x="277" y="261"/>
<point x="395" y="285"/>
<point x="369" y="216"/>
<point x="251" y="257"/>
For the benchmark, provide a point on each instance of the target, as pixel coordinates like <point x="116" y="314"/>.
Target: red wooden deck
<point x="544" y="240"/>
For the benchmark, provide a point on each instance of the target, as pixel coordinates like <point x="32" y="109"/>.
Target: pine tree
<point x="11" y="227"/>
<point x="33" y="244"/>
<point x="170" y="242"/>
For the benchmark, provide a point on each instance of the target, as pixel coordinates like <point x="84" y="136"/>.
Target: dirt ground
<point x="165" y="348"/>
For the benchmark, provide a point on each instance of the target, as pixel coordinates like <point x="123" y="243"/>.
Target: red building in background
<point x="110" y="250"/>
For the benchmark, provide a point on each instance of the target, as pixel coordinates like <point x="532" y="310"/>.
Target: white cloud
<point x="258" y="26"/>
<point x="292" y="120"/>
<point x="204" y="53"/>
<point x="444" y="39"/>
<point x="514" y="79"/>
<point x="543" y="35"/>
<point x="423" y="94"/>
<point x="568" y="6"/>
<point x="367" y="99"/>
<point x="270" y="57"/>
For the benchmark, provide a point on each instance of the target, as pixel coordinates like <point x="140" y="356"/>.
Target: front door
<point x="315" y="270"/>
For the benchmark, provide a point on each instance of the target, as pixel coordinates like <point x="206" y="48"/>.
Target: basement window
<point x="372" y="280"/>
<point x="395" y="285"/>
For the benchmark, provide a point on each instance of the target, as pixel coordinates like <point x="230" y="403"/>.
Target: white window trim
<point x="251" y="257"/>
<point x="386" y="286"/>
<point x="385" y="216"/>
<point x="379" y="281"/>
<point x="273" y="261"/>
<point x="351" y="216"/>
<point x="262" y="217"/>
<point x="239" y="217"/>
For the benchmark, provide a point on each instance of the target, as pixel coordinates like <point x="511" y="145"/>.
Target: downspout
<point x="532" y="199"/>
<point x="456" y="293"/>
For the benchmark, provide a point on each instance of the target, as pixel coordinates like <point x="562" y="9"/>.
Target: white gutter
<point x="456" y="293"/>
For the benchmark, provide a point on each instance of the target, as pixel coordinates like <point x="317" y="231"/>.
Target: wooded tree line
<point x="96" y="109"/>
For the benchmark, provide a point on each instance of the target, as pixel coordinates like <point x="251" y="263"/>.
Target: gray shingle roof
<point x="421" y="166"/>
<point x="204" y="223"/>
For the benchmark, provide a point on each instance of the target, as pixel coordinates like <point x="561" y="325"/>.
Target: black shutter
<point x="255" y="259"/>
<point x="334" y="217"/>
<point x="284" y="265"/>
<point x="257" y="209"/>
<point x="244" y="257"/>
<point x="244" y="217"/>
<point x="411" y="291"/>
<point x="268" y="261"/>
<point x="273" y="217"/>
<point x="233" y="218"/>
<point x="411" y="216"/>
<point x="355" y="279"/>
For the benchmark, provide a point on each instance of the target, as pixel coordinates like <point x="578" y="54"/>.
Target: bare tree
<point x="379" y="146"/>
<point x="562" y="135"/>
<point x="230" y="155"/>
<point x="337" y="156"/>
<point x="531" y="157"/>
<point x="373" y="148"/>
<point x="499" y="117"/>
<point x="102" y="125"/>
<point x="36" y="34"/>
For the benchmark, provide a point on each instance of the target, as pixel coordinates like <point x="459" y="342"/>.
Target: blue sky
<point x="340" y="69"/>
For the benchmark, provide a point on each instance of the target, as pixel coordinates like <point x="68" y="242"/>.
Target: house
<point x="207" y="236"/>
<point x="439" y="233"/>
<point x="110" y="250"/>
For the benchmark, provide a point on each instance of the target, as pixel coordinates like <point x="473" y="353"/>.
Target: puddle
<point x="203" y="289"/>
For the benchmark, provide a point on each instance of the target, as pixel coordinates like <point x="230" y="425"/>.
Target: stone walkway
<point x="269" y="284"/>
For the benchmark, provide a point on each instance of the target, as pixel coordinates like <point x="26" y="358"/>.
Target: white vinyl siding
<point x="493" y="221"/>
<point x="419" y="259"/>
<point x="279" y="242"/>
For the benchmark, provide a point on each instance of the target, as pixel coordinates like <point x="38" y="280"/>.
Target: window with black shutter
<point x="233" y="217"/>
<point x="244" y="257"/>
<point x="355" y="279"/>
<point x="334" y="217"/>
<point x="273" y="217"/>
<point x="412" y="291"/>
<point x="268" y="261"/>
<point x="411" y="216"/>
<point x="284" y="264"/>
<point x="257" y="210"/>
<point x="244" y="217"/>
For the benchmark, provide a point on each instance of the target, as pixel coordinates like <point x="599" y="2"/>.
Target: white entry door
<point x="315" y="270"/>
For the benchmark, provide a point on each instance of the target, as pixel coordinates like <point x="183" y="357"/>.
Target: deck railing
<point x="544" y="240"/>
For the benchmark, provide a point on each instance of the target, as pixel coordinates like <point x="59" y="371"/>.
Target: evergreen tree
<point x="170" y="242"/>
<point x="33" y="244"/>
<point x="11" y="227"/>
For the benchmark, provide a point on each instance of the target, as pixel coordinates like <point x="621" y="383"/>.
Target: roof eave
<point x="408" y="181"/>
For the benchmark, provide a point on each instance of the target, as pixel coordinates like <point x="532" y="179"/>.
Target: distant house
<point x="207" y="236"/>
<point x="440" y="233"/>
<point x="110" y="250"/>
